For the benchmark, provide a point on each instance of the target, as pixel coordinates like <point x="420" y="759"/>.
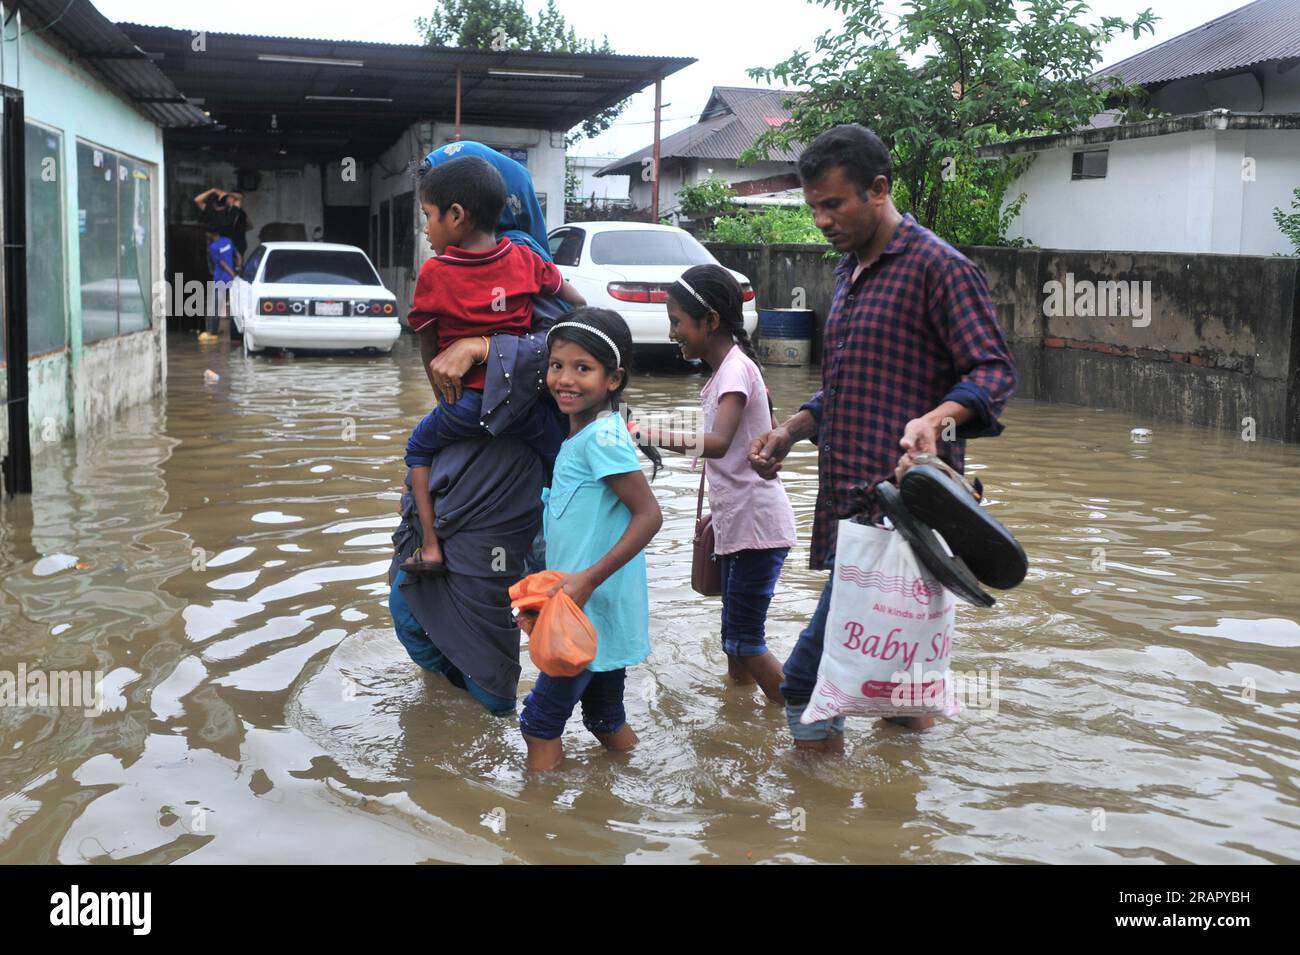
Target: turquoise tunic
<point x="583" y="520"/>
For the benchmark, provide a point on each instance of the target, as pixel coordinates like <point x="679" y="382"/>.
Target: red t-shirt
<point x="470" y="294"/>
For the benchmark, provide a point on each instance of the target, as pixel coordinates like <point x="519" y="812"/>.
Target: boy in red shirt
<point x="475" y="286"/>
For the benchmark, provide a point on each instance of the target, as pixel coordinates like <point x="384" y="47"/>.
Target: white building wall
<point x="677" y="173"/>
<point x="604" y="188"/>
<point x="1188" y="192"/>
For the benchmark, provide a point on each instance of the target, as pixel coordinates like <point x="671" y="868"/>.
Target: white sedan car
<point x="628" y="266"/>
<point x="312" y="295"/>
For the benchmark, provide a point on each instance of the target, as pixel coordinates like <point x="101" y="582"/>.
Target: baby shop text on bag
<point x="888" y="632"/>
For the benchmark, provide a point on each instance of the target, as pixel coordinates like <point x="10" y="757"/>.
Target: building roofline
<point x="1216" y="120"/>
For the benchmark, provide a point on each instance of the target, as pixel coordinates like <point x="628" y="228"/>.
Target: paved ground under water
<point x="220" y="556"/>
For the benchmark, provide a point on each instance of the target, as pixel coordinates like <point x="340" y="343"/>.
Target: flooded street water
<point x="220" y="556"/>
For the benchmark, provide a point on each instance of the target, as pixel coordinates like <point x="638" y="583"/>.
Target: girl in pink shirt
<point x="753" y="523"/>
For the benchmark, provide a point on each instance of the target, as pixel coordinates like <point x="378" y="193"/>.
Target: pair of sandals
<point x="932" y="497"/>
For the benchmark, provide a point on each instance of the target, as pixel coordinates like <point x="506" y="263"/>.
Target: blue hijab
<point x="521" y="220"/>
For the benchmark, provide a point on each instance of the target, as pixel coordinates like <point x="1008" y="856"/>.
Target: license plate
<point x="329" y="308"/>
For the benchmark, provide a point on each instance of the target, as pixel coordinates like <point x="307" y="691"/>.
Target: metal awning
<point x="104" y="49"/>
<point x="287" y="95"/>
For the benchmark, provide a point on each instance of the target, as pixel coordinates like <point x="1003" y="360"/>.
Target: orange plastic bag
<point x="561" y="640"/>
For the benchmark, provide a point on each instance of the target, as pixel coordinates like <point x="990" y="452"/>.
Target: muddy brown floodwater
<point x="220" y="557"/>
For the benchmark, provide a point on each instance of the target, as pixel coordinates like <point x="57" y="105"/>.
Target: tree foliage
<point x="1289" y="222"/>
<point x="772" y="224"/>
<point x="505" y="25"/>
<point x="947" y="77"/>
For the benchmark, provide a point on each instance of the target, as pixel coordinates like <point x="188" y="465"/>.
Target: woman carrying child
<point x="488" y="491"/>
<point x="475" y="286"/>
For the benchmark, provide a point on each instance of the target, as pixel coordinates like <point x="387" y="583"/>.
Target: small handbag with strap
<point x="706" y="570"/>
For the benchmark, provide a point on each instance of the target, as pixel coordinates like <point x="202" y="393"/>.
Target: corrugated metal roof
<point x="1259" y="32"/>
<point x="106" y="50"/>
<point x="732" y="119"/>
<point x="356" y="99"/>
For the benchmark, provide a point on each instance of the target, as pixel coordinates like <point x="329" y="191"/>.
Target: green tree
<point x="505" y="25"/>
<point x="1289" y="222"/>
<point x="987" y="70"/>
<point x="773" y="224"/>
<point x="706" y="199"/>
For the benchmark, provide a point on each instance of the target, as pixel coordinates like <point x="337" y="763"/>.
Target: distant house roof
<point x="1259" y="32"/>
<point x="732" y="119"/>
<point x="104" y="49"/>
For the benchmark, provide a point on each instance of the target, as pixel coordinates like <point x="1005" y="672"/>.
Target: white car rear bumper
<point x="322" y="333"/>
<point x="649" y="323"/>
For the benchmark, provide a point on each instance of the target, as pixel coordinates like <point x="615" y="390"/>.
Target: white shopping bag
<point x="888" y="632"/>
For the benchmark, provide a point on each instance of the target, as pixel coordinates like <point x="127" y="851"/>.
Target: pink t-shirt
<point x="749" y="513"/>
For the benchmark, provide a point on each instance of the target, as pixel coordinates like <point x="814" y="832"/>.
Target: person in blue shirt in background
<point x="221" y="264"/>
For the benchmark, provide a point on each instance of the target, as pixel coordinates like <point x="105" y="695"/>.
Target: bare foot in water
<point x="833" y="744"/>
<point x="619" y="741"/>
<point x="764" y="670"/>
<point x="916" y="723"/>
<point x="543" y="754"/>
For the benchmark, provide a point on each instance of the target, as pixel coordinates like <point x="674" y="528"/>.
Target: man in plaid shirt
<point x="913" y="358"/>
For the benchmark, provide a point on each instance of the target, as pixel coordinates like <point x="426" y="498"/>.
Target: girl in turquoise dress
<point x="600" y="513"/>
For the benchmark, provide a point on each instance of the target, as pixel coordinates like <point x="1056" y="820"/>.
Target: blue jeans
<point x="426" y="653"/>
<point x="540" y="429"/>
<point x="748" y="582"/>
<point x="550" y="703"/>
<point x="801" y="674"/>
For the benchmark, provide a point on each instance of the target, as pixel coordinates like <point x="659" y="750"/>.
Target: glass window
<point x="249" y="271"/>
<point x="385" y="220"/>
<point x="115" y="234"/>
<point x="566" y="246"/>
<point x="47" y="302"/>
<point x="134" y="243"/>
<point x="648" y="247"/>
<point x="97" y="225"/>
<point x="326" y="267"/>
<point x="1090" y="164"/>
<point x="404" y="230"/>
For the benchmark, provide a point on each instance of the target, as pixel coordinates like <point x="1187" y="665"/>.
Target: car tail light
<point x="747" y="291"/>
<point x="388" y="308"/>
<point x="360" y="308"/>
<point x="649" y="292"/>
<point x="281" y="306"/>
<point x="297" y="307"/>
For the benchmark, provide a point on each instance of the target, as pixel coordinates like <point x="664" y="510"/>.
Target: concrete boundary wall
<point x="1210" y="340"/>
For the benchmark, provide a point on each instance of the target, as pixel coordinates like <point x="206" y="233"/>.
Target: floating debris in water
<point x="211" y="377"/>
<point x="1140" y="435"/>
<point x="53" y="563"/>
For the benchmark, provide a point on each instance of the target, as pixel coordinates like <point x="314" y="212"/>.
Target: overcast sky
<point x="725" y="39"/>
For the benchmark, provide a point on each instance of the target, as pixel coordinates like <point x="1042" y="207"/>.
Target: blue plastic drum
<point x="785" y="336"/>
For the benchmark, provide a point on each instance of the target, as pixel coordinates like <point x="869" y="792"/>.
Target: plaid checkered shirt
<point x="916" y="329"/>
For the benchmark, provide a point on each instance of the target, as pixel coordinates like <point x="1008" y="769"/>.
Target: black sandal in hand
<point x="417" y="566"/>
